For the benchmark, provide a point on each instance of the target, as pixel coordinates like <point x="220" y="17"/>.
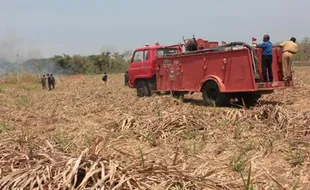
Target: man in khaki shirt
<point x="289" y="48"/>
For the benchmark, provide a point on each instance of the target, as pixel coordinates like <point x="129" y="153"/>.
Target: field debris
<point x="84" y="135"/>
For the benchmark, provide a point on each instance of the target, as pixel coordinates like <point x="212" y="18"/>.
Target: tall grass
<point x="22" y="77"/>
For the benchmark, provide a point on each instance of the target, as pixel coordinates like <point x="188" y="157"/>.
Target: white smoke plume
<point x="15" y="55"/>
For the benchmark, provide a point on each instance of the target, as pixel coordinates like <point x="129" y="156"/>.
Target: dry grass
<point x="14" y="78"/>
<point x="84" y="135"/>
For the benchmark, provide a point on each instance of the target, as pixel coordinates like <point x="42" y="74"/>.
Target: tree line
<point x="94" y="64"/>
<point x="304" y="50"/>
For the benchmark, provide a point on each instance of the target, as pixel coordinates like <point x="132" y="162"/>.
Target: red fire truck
<point x="220" y="72"/>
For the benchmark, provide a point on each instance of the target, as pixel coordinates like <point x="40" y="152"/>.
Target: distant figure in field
<point x="126" y="78"/>
<point x="49" y="82"/>
<point x="52" y="81"/>
<point x="105" y="78"/>
<point x="43" y="81"/>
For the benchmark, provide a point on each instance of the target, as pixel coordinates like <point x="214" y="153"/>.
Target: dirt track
<point x="151" y="143"/>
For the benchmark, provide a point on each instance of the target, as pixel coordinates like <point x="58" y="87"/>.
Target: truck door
<point x="146" y="63"/>
<point x="136" y="63"/>
<point x="140" y="65"/>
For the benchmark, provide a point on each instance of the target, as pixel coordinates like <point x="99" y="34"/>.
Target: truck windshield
<point x="165" y="51"/>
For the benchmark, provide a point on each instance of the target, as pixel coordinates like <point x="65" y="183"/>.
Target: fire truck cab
<point x="220" y="72"/>
<point x="142" y="68"/>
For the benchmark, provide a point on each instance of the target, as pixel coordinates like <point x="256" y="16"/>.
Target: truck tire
<point x="250" y="99"/>
<point x="142" y="89"/>
<point x="212" y="95"/>
<point x="191" y="45"/>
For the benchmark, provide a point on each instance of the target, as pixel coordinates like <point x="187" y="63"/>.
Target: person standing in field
<point x="43" y="81"/>
<point x="49" y="82"/>
<point x="266" y="58"/>
<point x="105" y="78"/>
<point x="126" y="78"/>
<point x="53" y="81"/>
<point x="289" y="48"/>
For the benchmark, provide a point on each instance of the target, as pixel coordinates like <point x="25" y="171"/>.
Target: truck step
<point x="273" y="85"/>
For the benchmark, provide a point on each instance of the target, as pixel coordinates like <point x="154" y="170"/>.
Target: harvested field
<point x="84" y="135"/>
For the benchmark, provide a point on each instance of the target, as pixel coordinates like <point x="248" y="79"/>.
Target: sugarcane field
<point x="84" y="134"/>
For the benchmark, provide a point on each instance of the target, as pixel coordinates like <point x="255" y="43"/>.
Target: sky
<point x="37" y="28"/>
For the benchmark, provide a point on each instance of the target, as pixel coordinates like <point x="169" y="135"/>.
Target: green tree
<point x="94" y="64"/>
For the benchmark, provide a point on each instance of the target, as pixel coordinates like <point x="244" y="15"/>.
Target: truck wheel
<point x="142" y="89"/>
<point x="212" y="95"/>
<point x="250" y="99"/>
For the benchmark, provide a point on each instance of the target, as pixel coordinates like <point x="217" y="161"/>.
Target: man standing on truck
<point x="266" y="58"/>
<point x="289" y="48"/>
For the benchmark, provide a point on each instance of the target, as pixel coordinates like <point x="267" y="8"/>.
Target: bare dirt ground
<point x="85" y="135"/>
